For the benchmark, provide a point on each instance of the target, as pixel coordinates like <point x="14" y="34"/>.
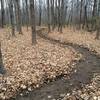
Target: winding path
<point x="84" y="74"/>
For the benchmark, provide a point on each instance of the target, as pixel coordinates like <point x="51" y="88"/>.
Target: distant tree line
<point x="82" y="14"/>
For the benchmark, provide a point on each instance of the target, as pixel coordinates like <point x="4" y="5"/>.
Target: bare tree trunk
<point x="6" y="13"/>
<point x="59" y="14"/>
<point x="72" y="11"/>
<point x="65" y="8"/>
<point x="2" y="14"/>
<point x="85" y="17"/>
<point x="40" y="12"/>
<point x="97" y="33"/>
<point x="81" y="12"/>
<point x="12" y="17"/>
<point x="62" y="15"/>
<point x="18" y="13"/>
<point x="77" y="18"/>
<point x="52" y="14"/>
<point x="48" y="13"/>
<point x="99" y="9"/>
<point x="97" y="28"/>
<point x="32" y="20"/>
<point x="15" y="15"/>
<point x="27" y="14"/>
<point x="98" y="23"/>
<point x="2" y="70"/>
<point x="94" y="13"/>
<point x="56" y="13"/>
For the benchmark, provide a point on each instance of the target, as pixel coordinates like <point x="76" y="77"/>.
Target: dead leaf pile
<point x="29" y="65"/>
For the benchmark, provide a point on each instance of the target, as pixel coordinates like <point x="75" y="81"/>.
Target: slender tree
<point x="98" y="22"/>
<point x="94" y="13"/>
<point x="2" y="14"/>
<point x="32" y="20"/>
<point x="85" y="17"/>
<point x="97" y="28"/>
<point x="2" y="70"/>
<point x="62" y="15"/>
<point x="27" y="14"/>
<point x="52" y="14"/>
<point x="81" y="10"/>
<point x="11" y="11"/>
<point x="18" y="13"/>
<point x="56" y="13"/>
<point x="40" y="12"/>
<point x="48" y="13"/>
<point x="99" y="9"/>
<point x="59" y="14"/>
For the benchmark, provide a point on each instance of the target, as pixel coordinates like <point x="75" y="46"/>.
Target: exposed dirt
<point x="83" y="76"/>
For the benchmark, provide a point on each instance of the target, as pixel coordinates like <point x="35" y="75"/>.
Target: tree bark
<point x="18" y="13"/>
<point x="99" y="9"/>
<point x="12" y="17"/>
<point x="97" y="34"/>
<point x="40" y="12"/>
<point x="59" y="14"/>
<point x="2" y="70"/>
<point x="48" y="13"/>
<point x="2" y="14"/>
<point x="85" y="17"/>
<point x="32" y="20"/>
<point x="98" y="23"/>
<point x="27" y="14"/>
<point x="52" y="14"/>
<point x="62" y="15"/>
<point x="94" y="13"/>
<point x="81" y="12"/>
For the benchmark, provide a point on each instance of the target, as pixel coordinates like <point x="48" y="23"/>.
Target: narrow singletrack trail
<point x="54" y="90"/>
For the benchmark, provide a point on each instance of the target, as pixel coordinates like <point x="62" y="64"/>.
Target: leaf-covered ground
<point x="28" y="65"/>
<point x="90" y="91"/>
<point x="79" y="37"/>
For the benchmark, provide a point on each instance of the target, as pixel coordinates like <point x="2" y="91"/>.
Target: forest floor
<point x="80" y="37"/>
<point x="85" y="43"/>
<point x="83" y="83"/>
<point x="29" y="66"/>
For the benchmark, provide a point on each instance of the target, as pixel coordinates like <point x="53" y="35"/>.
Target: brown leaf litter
<point x="30" y="65"/>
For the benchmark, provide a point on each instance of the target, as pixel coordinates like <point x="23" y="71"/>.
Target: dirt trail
<point x="55" y="90"/>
